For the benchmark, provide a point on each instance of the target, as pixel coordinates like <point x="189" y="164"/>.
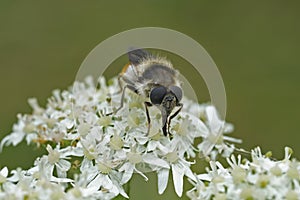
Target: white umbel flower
<point x="91" y="155"/>
<point x="214" y="138"/>
<point x="258" y="178"/>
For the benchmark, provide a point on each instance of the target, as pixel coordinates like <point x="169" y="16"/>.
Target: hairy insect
<point x="155" y="78"/>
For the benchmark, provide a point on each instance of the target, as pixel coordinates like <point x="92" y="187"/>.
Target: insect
<point x="154" y="78"/>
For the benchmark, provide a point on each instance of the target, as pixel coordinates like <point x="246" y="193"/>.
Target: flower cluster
<point x="92" y="155"/>
<point x="260" y="178"/>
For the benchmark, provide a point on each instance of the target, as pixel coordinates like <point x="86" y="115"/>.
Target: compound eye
<point x="157" y="94"/>
<point x="177" y="91"/>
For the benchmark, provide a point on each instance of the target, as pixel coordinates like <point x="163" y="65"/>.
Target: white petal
<point x="16" y="174"/>
<point x="151" y="145"/>
<point x="68" y="123"/>
<point x="13" y="138"/>
<point x="188" y="172"/>
<point x="63" y="165"/>
<point x="86" y="164"/>
<point x="101" y="180"/>
<point x="201" y="128"/>
<point x="153" y="160"/>
<point x="91" y="173"/>
<point x="163" y="177"/>
<point x="228" y="128"/>
<point x="123" y="193"/>
<point x="49" y="148"/>
<point x="125" y="167"/>
<point x="30" y="137"/>
<point x="204" y="177"/>
<point x="142" y="140"/>
<point x="87" y="192"/>
<point x="4" y="172"/>
<point x="97" y="182"/>
<point x="61" y="173"/>
<point x="61" y="180"/>
<point x="214" y="121"/>
<point x="127" y="174"/>
<point x="143" y="175"/>
<point x="230" y="139"/>
<point x="163" y="148"/>
<point x="71" y="151"/>
<point x="107" y="183"/>
<point x="205" y="147"/>
<point x="178" y="173"/>
<point x="120" y="188"/>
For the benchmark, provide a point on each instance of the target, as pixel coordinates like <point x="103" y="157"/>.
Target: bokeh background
<point x="255" y="44"/>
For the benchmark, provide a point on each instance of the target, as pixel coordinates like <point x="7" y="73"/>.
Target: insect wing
<point x="131" y="74"/>
<point x="136" y="56"/>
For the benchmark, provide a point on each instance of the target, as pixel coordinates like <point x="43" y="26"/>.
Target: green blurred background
<point x="255" y="44"/>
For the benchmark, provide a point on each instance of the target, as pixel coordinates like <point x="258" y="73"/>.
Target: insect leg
<point x="120" y="85"/>
<point x="148" y="104"/>
<point x="172" y="116"/>
<point x="176" y="113"/>
<point x="121" y="103"/>
<point x="164" y="129"/>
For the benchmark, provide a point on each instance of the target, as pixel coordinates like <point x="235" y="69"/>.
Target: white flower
<point x="43" y="171"/>
<point x="18" y="133"/>
<point x="261" y="178"/>
<point x="3" y="175"/>
<point x="136" y="159"/>
<point x="104" y="178"/>
<point x="81" y="189"/>
<point x="179" y="165"/>
<point x="187" y="129"/>
<point x="58" y="158"/>
<point x="213" y="136"/>
<point x="92" y="156"/>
